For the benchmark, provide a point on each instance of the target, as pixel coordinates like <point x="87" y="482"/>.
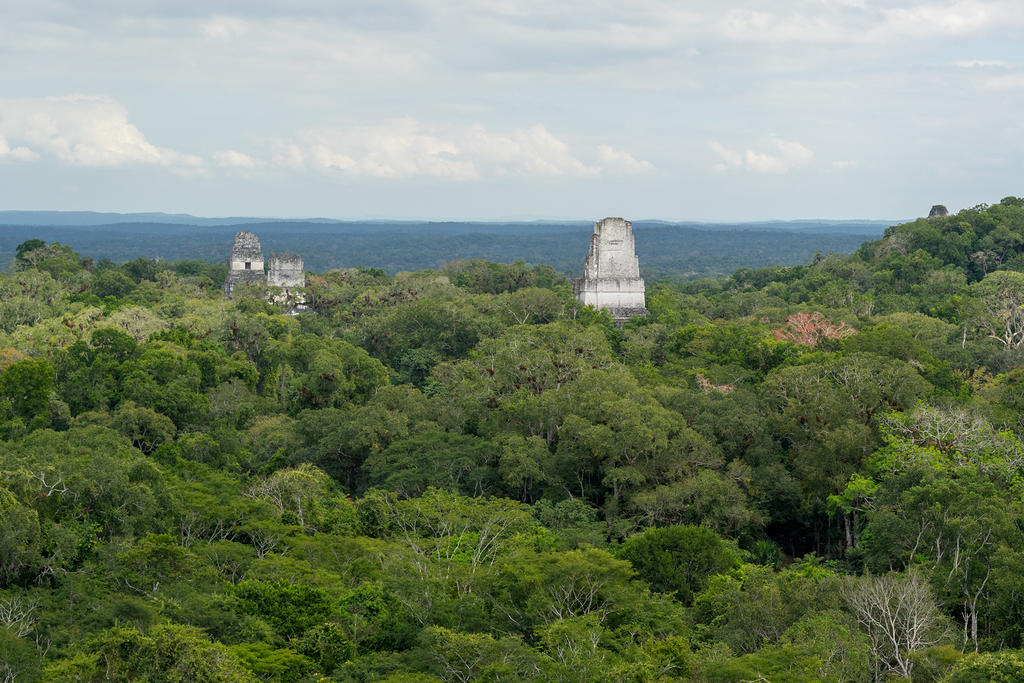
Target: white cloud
<point x="760" y="26"/>
<point x="730" y="158"/>
<point x="224" y="28"/>
<point x="845" y="22"/>
<point x="17" y="153"/>
<point x="982" y="64"/>
<point x="405" y="148"/>
<point x="844" y="163"/>
<point x="83" y="130"/>
<point x="396" y="149"/>
<point x="622" y="161"/>
<point x="786" y="155"/>
<point x="526" y="151"/>
<point x="938" y="19"/>
<point x="231" y="159"/>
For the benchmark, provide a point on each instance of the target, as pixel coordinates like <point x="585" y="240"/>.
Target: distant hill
<point x="677" y="250"/>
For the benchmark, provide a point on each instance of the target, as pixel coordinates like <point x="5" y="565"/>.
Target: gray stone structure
<point x="245" y="266"/>
<point x="611" y="275"/>
<point x="938" y="211"/>
<point x="286" y="271"/>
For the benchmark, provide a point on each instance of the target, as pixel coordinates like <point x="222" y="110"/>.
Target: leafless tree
<point x="266" y="538"/>
<point x="17" y="614"/>
<point x="1002" y="296"/>
<point x="899" y="615"/>
<point x="986" y="258"/>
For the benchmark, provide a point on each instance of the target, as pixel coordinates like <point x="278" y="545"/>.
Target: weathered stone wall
<point x="612" y="251"/>
<point x="286" y="270"/>
<point x="626" y="294"/>
<point x="611" y="275"/>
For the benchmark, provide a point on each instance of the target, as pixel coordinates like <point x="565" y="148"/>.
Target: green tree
<point x="112" y="283"/>
<point x="319" y="372"/>
<point x="995" y="667"/>
<point x="28" y="385"/>
<point x="291" y="608"/>
<point x="435" y="458"/>
<point x="20" y="539"/>
<point x="472" y="656"/>
<point x="169" y="653"/>
<point x="752" y="606"/>
<point x="678" y="559"/>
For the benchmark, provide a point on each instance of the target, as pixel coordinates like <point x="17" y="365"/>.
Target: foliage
<point x="679" y="559"/>
<point x="462" y="474"/>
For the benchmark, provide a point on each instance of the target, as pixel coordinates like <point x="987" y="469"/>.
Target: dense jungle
<point x="793" y="473"/>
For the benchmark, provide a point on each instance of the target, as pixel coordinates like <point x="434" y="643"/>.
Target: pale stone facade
<point x="611" y="275"/>
<point x="287" y="271"/>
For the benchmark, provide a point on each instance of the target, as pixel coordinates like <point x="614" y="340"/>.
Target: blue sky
<point x="678" y="110"/>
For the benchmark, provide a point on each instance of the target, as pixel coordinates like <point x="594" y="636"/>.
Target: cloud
<point x="17" y="153"/>
<point x="760" y="26"/>
<point x="623" y="161"/>
<point x="82" y="130"/>
<point x="730" y="158"/>
<point x="940" y="19"/>
<point x="231" y="159"/>
<point x="406" y="148"/>
<point x="844" y="164"/>
<point x="786" y="155"/>
<point x="526" y="151"/>
<point x="982" y="64"/>
<point x="846" y="22"/>
<point x="396" y="149"/>
<point x="224" y="28"/>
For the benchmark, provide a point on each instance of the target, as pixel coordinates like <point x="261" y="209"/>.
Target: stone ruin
<point x="246" y="263"/>
<point x="286" y="272"/>
<point x="938" y="211"/>
<point x="611" y="275"/>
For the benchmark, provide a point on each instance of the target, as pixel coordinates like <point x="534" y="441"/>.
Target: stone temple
<point x="611" y="276"/>
<point x="246" y="263"/>
<point x="284" y="273"/>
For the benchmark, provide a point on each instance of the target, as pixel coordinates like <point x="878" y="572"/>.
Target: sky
<point x="698" y="110"/>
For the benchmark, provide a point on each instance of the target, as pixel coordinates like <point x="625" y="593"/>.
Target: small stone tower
<point x="938" y="211"/>
<point x="611" y="275"/>
<point x="246" y="262"/>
